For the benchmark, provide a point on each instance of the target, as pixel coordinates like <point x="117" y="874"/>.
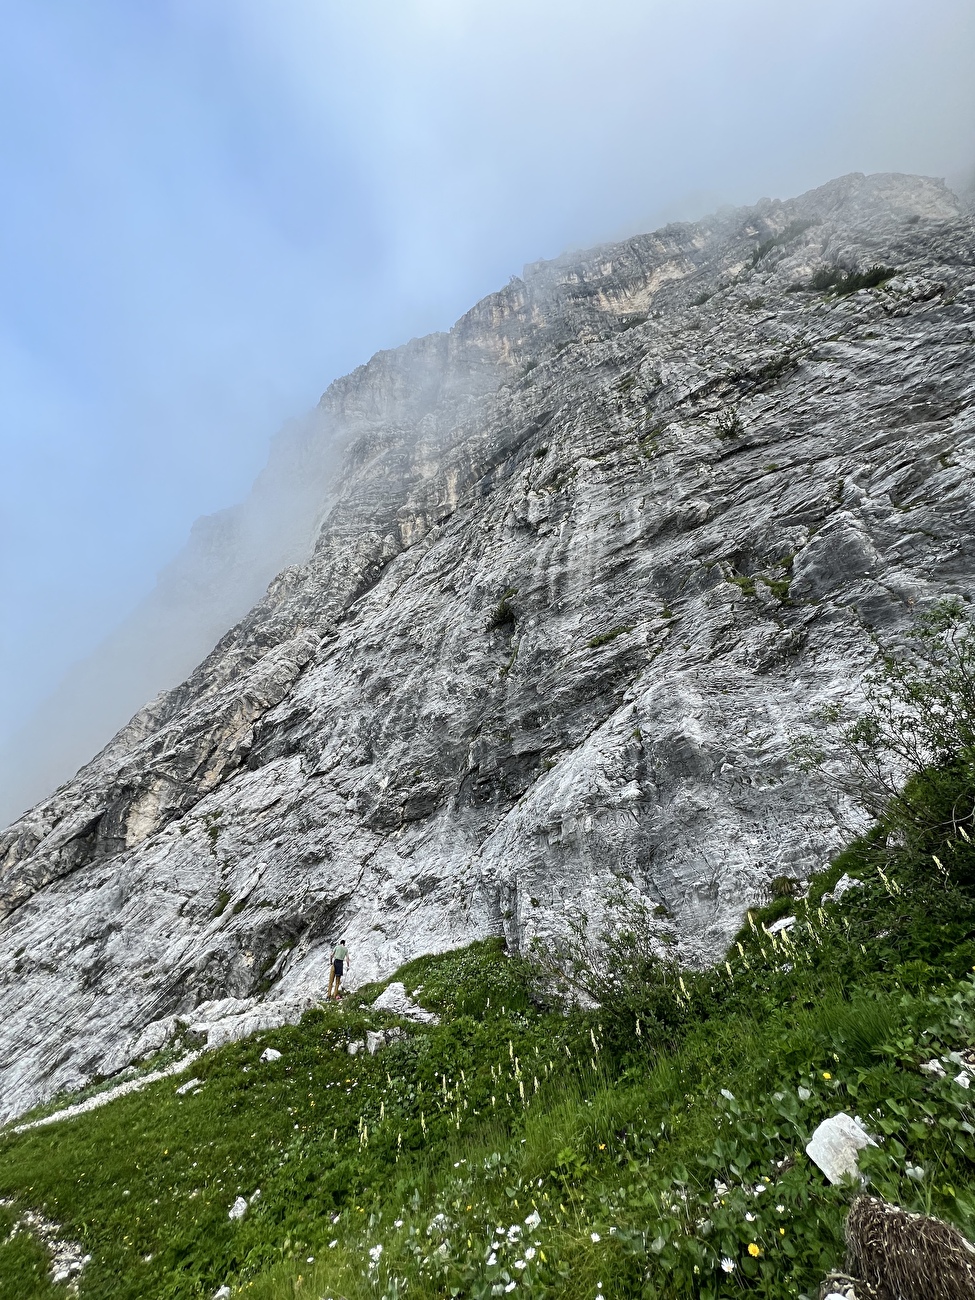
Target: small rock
<point x="188" y="1086"/>
<point x="377" y="1038"/>
<point x="963" y="1080"/>
<point x="222" y="1294"/>
<point x="835" y="1144"/>
<point x="270" y="1054"/>
<point x="784" y="923"/>
<point x="238" y="1209"/>
<point x="933" y="1067"/>
<point x="844" y="883"/>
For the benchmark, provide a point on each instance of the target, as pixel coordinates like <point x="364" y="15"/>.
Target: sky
<point x="212" y="208"/>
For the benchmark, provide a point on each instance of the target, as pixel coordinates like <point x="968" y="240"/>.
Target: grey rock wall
<point x="591" y="558"/>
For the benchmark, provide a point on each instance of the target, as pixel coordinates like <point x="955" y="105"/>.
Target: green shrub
<point x="843" y="282"/>
<point x="604" y="638"/>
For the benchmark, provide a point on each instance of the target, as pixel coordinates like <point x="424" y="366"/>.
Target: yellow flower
<point x="782" y="1232"/>
<point x="827" y="1075"/>
<point x="602" y="1146"/>
<point x="754" y="1250"/>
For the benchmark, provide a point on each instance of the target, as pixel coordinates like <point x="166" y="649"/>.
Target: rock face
<point x="590" y="558"/>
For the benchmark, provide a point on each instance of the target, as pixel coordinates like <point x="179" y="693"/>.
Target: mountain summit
<point x="588" y="561"/>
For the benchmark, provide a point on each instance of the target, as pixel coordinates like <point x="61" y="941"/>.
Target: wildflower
<point x="533" y="1220"/>
<point x="521" y="1263"/>
<point x="827" y="1075"/>
<point x="780" y="1209"/>
<point x="375" y="1252"/>
<point x="594" y="1236"/>
<point x="530" y="1253"/>
<point x="511" y="1286"/>
<point x="782" y="1232"/>
<point x="749" y="1218"/>
<point x="602" y="1146"/>
<point x="398" y="1223"/>
<point x="492" y="1259"/>
<point x="754" y="1250"/>
<point x="333" y="1244"/>
<point x="728" y="1264"/>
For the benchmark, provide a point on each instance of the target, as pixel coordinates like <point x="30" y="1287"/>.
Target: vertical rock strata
<point x="590" y="559"/>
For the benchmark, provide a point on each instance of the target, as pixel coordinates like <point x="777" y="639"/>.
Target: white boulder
<point x="398" y="1002"/>
<point x="836" y="1144"/>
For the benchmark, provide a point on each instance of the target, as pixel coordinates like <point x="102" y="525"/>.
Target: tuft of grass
<point x="840" y="282"/>
<point x="502" y="617"/>
<point x="604" y="638"/>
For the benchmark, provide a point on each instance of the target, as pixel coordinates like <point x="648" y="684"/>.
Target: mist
<point x="215" y="207"/>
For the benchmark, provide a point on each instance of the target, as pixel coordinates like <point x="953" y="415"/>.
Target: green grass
<point x="604" y="638"/>
<point x="832" y="278"/>
<point x="638" y="1132"/>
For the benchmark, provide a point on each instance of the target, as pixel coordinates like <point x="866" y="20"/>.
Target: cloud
<point x="214" y="207"/>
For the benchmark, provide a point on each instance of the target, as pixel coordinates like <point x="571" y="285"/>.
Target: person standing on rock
<point x="340" y="960"/>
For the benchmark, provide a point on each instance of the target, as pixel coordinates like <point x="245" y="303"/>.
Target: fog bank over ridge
<point x="221" y="572"/>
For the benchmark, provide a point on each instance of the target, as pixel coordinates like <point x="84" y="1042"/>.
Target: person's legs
<point x="337" y="969"/>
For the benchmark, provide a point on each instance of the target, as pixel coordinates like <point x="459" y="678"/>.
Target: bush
<point x="843" y="282"/>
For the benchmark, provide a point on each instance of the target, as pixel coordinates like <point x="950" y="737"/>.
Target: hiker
<point x="340" y="958"/>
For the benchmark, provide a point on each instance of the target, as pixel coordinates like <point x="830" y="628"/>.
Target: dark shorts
<point x="337" y="967"/>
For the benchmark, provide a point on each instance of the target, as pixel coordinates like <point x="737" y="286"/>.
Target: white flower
<point x="398" y="1223"/>
<point x="759" y="1187"/>
<point x="492" y="1259"/>
<point x="780" y="1209"/>
<point x="521" y="1263"/>
<point x="533" y="1220"/>
<point x="915" y="1172"/>
<point x="238" y="1209"/>
<point x="728" y="1264"/>
<point x="333" y="1244"/>
<point x="514" y="1231"/>
<point x="594" y="1236"/>
<point x="530" y="1253"/>
<point x="310" y="1259"/>
<point x="375" y="1252"/>
<point x="749" y="1218"/>
<point x="511" y="1286"/>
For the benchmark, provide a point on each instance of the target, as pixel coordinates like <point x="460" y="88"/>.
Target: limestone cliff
<point x="589" y="559"/>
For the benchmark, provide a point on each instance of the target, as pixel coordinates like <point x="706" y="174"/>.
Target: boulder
<point x="835" y="1146"/>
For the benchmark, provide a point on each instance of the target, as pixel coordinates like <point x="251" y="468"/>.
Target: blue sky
<point x="211" y="208"/>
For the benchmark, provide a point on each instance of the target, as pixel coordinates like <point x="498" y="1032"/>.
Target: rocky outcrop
<point x="590" y="559"/>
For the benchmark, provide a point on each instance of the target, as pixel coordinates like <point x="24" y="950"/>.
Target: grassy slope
<point x="643" y="1175"/>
